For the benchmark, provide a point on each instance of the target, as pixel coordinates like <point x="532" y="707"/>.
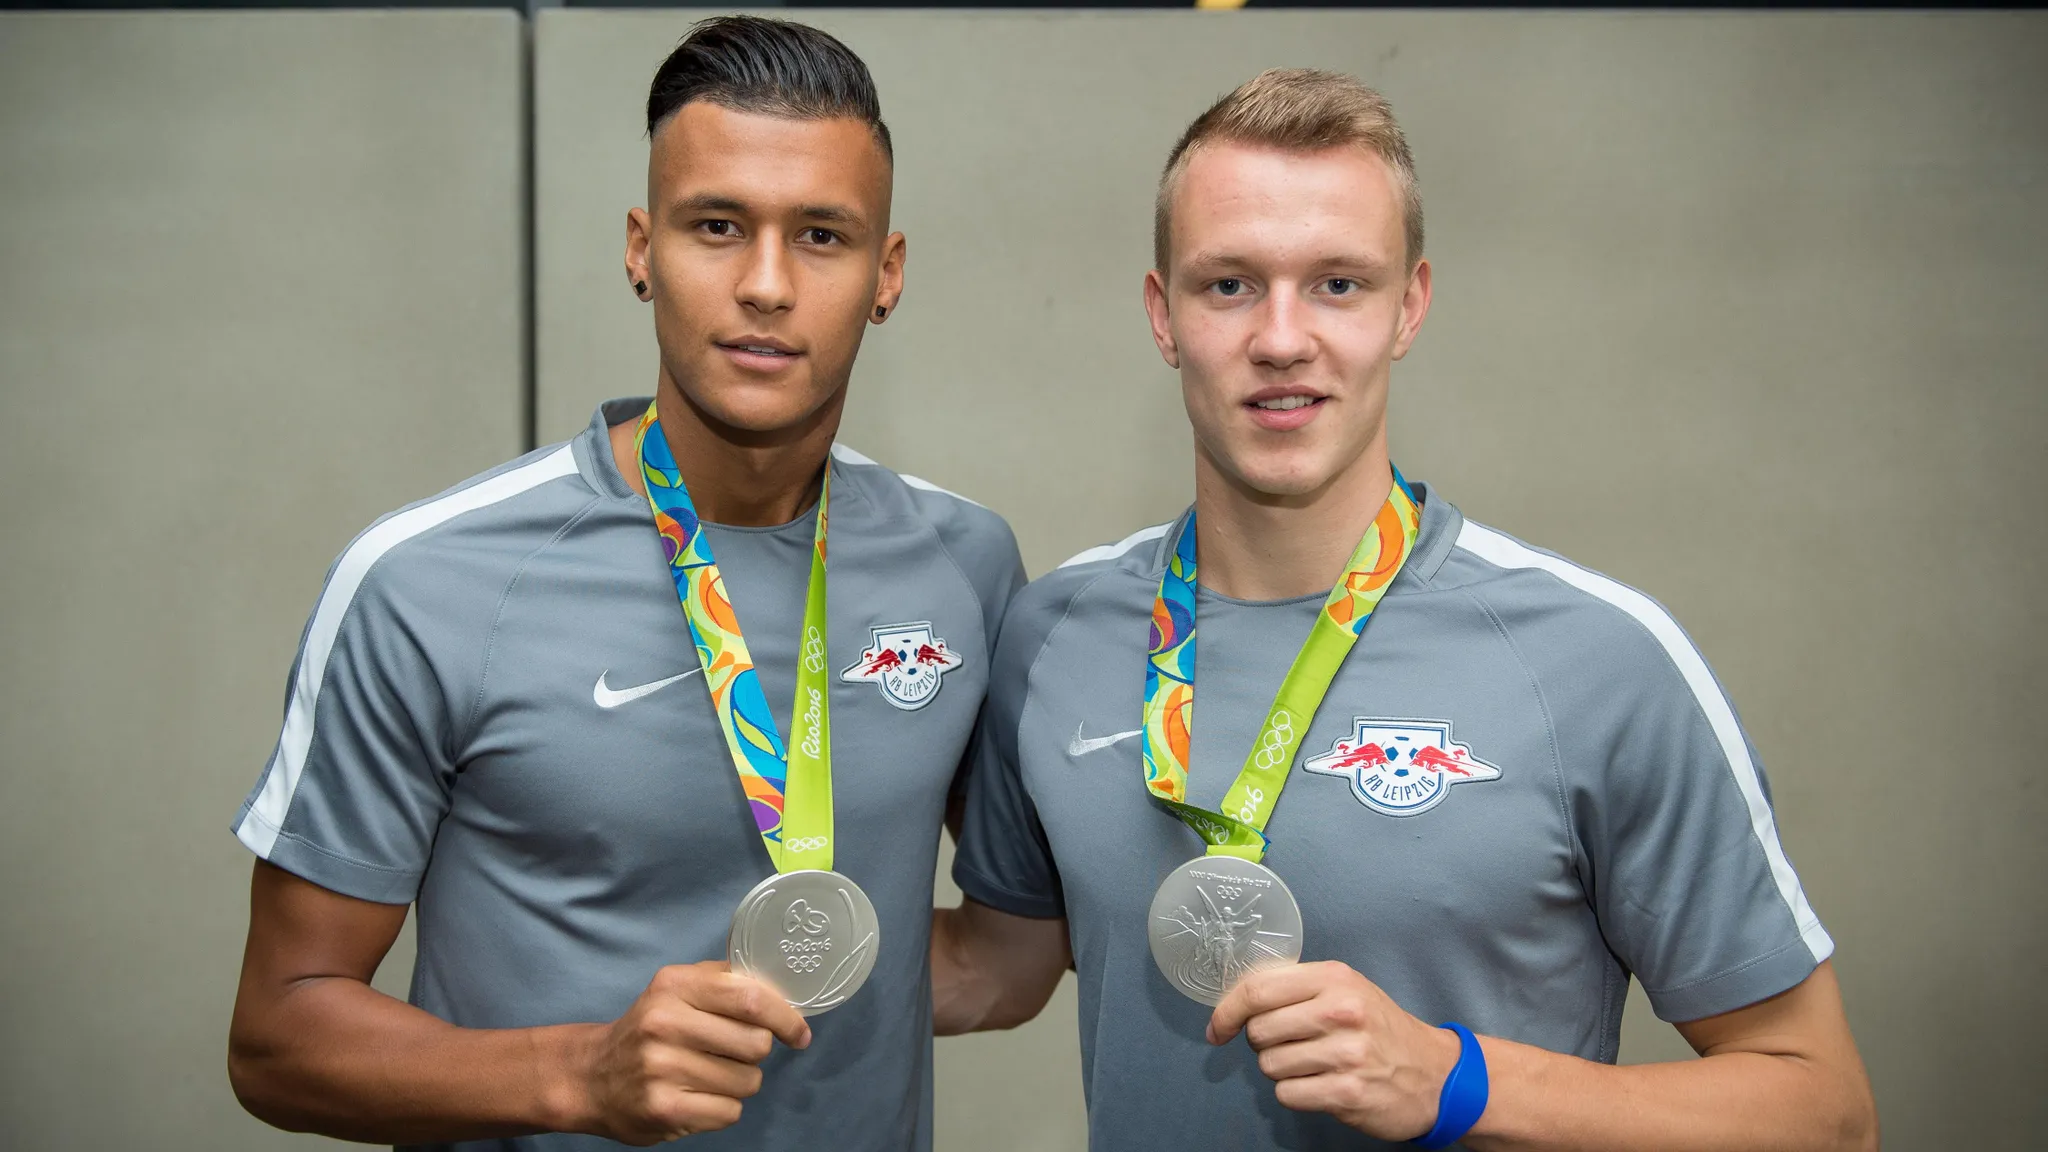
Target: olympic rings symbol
<point x="814" y="651"/>
<point x="1275" y="742"/>
<point x="805" y="843"/>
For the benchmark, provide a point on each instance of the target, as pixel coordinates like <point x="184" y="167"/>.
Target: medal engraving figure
<point x="810" y="935"/>
<point x="1215" y="919"/>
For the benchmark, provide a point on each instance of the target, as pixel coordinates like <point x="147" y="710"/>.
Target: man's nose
<point x="1283" y="338"/>
<point x="765" y="283"/>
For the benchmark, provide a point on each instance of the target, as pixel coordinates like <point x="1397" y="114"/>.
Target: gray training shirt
<point x="1601" y="815"/>
<point x="497" y="711"/>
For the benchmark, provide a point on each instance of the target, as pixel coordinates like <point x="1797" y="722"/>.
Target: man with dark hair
<point x="495" y="711"/>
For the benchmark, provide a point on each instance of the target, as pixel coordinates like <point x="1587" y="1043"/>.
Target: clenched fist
<point x="1332" y="1041"/>
<point x="684" y="1056"/>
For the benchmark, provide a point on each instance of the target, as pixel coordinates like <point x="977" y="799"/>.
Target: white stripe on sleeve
<point x="1112" y="551"/>
<point x="1497" y="549"/>
<point x="847" y="455"/>
<point x="259" y="827"/>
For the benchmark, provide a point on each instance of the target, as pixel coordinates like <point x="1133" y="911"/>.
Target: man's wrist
<point x="1443" y="1048"/>
<point x="1463" y="1097"/>
<point x="563" y="1056"/>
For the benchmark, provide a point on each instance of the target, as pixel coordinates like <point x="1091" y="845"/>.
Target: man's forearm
<point x="991" y="969"/>
<point x="337" y="1057"/>
<point x="964" y="993"/>
<point x="1751" y="1101"/>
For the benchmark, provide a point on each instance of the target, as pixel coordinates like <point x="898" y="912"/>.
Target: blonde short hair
<point x="1296" y="110"/>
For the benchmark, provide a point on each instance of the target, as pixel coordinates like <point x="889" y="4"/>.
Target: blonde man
<point x="1509" y="782"/>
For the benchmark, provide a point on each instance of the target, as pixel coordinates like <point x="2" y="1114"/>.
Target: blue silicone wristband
<point x="1463" y="1099"/>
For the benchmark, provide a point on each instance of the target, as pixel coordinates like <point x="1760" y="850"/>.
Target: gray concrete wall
<point x="1741" y="309"/>
<point x="259" y="282"/>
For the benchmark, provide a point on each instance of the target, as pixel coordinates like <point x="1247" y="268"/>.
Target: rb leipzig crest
<point x="1401" y="767"/>
<point x="906" y="662"/>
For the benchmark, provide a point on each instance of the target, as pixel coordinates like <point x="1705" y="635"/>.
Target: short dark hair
<point x="769" y="67"/>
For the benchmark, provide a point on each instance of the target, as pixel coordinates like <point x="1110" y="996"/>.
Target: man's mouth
<point x="1286" y="403"/>
<point x="1284" y="407"/>
<point x="758" y="348"/>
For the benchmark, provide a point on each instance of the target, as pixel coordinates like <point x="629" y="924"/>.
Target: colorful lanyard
<point x="1239" y="830"/>
<point x="790" y="791"/>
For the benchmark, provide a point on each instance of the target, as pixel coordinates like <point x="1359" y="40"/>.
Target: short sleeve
<point x="1676" y="832"/>
<point x="1004" y="860"/>
<point x="361" y="775"/>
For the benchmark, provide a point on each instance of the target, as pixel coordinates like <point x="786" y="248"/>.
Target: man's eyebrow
<point x="831" y="214"/>
<point x="1218" y="260"/>
<point x="710" y="202"/>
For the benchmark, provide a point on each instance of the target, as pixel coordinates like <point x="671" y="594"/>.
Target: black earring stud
<point x="639" y="285"/>
<point x="880" y="312"/>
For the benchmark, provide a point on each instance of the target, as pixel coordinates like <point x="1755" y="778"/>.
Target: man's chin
<point x="1289" y="483"/>
<point x="754" y="409"/>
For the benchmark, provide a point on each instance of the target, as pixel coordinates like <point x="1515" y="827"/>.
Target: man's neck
<point x="735" y="477"/>
<point x="1253" y="546"/>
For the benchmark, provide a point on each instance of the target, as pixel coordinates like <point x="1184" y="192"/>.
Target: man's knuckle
<point x="658" y="1020"/>
<point x="750" y="1081"/>
<point x="757" y="1044"/>
<point x="1343" y="1012"/>
<point x="666" y="1109"/>
<point x="747" y="1000"/>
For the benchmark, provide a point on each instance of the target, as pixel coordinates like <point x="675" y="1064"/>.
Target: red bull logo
<point x="1401" y="767"/>
<point x="880" y="662"/>
<point x="906" y="661"/>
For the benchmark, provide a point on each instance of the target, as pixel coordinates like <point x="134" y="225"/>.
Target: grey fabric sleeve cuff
<point x="987" y="891"/>
<point x="317" y="865"/>
<point x="1758" y="980"/>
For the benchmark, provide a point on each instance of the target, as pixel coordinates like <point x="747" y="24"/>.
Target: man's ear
<point x="1162" y="319"/>
<point x="889" y="286"/>
<point x="639" y="234"/>
<point x="1414" y="307"/>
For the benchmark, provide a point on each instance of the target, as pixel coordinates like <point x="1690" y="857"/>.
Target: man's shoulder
<point x="956" y="518"/>
<point x="978" y="540"/>
<point x="479" y="529"/>
<point x="1560" y="612"/>
<point x="1112" y="577"/>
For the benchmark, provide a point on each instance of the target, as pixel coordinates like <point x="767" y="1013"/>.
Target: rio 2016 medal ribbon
<point x="1224" y="914"/>
<point x="807" y="931"/>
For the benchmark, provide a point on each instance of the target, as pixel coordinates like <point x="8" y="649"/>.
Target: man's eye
<point x="1229" y="286"/>
<point x="820" y="235"/>
<point x="1341" y="286"/>
<point x="718" y="227"/>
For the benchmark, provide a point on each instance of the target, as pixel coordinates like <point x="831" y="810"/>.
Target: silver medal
<point x="1216" y="919"/>
<point x="810" y="935"/>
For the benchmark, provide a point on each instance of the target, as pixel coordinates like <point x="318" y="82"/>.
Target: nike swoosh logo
<point x="1083" y="745"/>
<point x="609" y="697"/>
